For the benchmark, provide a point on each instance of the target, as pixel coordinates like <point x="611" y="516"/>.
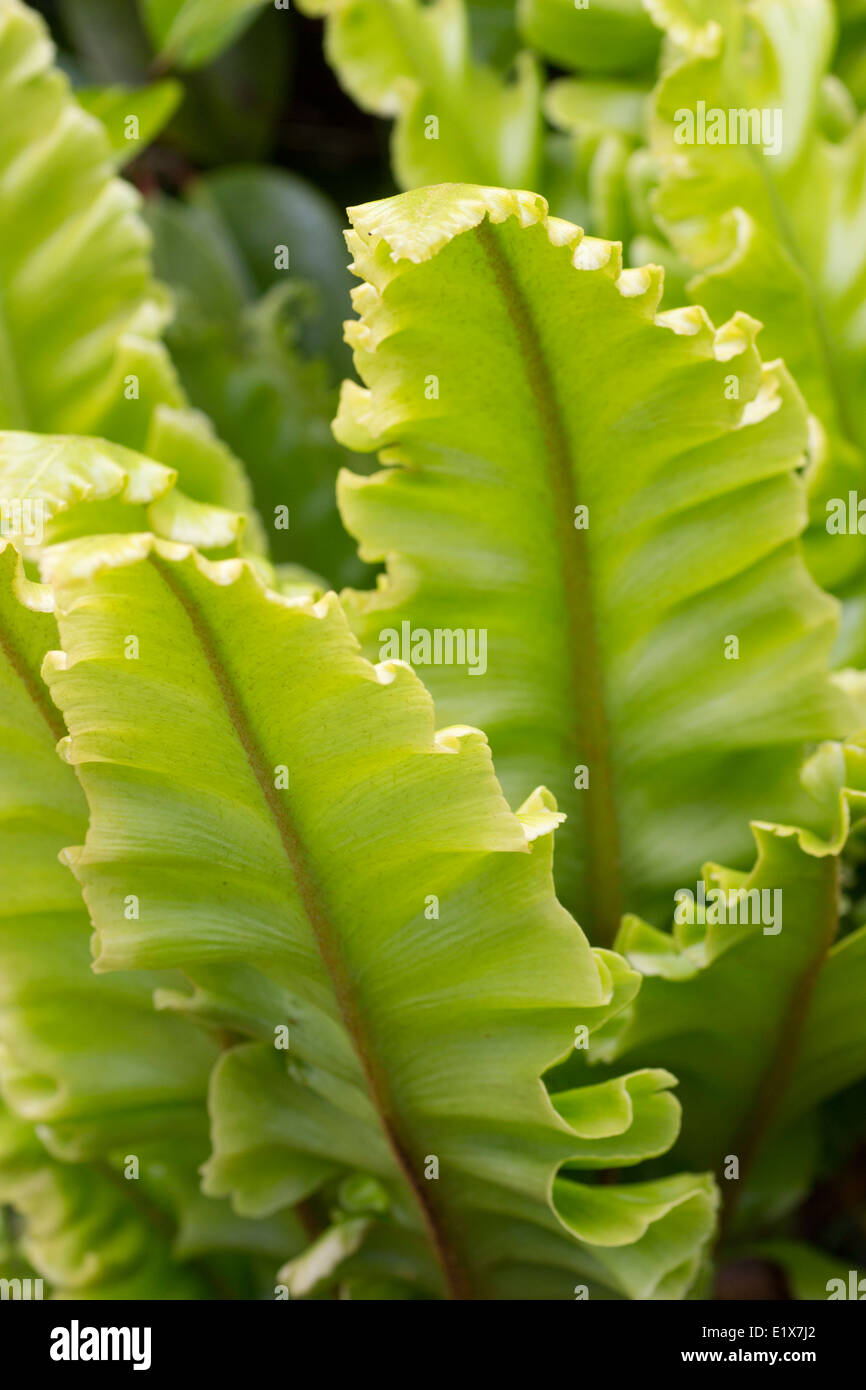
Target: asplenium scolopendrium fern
<point x="95" y="1068"/>
<point x="610" y="495"/>
<point x="374" y="896"/>
<point x="81" y="312"/>
<point x="308" y="1121"/>
<point x="645" y="1243"/>
<point x="609" y="1126"/>
<point x="107" y="1120"/>
<point x="779" y="235"/>
<point x="764" y="1025"/>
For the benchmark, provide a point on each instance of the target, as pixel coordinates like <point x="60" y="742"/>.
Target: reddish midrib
<point x="589" y="731"/>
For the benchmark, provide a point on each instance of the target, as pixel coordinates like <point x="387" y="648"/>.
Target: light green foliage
<point x="92" y="1073"/>
<point x="559" y="388"/>
<point x="762" y="1019"/>
<point x="80" y="312"/>
<point x="603" y="36"/>
<point x="413" y="61"/>
<point x="84" y="1234"/>
<point x="337" y="816"/>
<point x="333" y="1034"/>
<point x="780" y="235"/>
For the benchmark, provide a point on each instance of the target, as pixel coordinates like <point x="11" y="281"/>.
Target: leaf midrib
<point x="324" y="933"/>
<point x="589" y="733"/>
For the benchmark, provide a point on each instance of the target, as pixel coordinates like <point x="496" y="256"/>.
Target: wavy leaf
<point x="760" y="1015"/>
<point x="85" y="1231"/>
<point x="53" y="487"/>
<point x="255" y="736"/>
<point x="778" y="234"/>
<point x="559" y="388"/>
<point x="80" y="313"/>
<point x="72" y="1051"/>
<point x="86" y="1064"/>
<point x="91" y="1231"/>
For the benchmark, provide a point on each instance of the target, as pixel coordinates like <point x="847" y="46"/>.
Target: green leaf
<point x="230" y="107"/>
<point x="190" y="33"/>
<point x="93" y="1231"/>
<point x="88" y="1232"/>
<point x="601" y="36"/>
<point x="778" y="232"/>
<point x="605" y="121"/>
<point x="635" y="1116"/>
<point x="74" y="1055"/>
<point x="556" y="387"/>
<point x="54" y="487"/>
<point x="108" y="38"/>
<point x="76" y="269"/>
<point x="599" y="106"/>
<point x="375" y="897"/>
<point x="494" y="35"/>
<point x="85" y="1063"/>
<point x="413" y="61"/>
<point x="759" y="1010"/>
<point x="151" y="107"/>
<point x="850" y="61"/>
<point x="80" y="312"/>
<point x="243" y="215"/>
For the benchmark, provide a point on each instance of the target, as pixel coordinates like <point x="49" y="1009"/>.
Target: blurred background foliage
<point x="245" y="142"/>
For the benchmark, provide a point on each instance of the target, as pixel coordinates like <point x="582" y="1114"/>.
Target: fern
<point x="94" y="1077"/>
<point x="687" y="511"/>
<point x="761" y="233"/>
<point x="377" y="898"/>
<point x="414" y="62"/>
<point x="333" y="1034"/>
<point x="764" y="1026"/>
<point x="80" y="351"/>
<point x="260" y="349"/>
<point x="57" y="1030"/>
